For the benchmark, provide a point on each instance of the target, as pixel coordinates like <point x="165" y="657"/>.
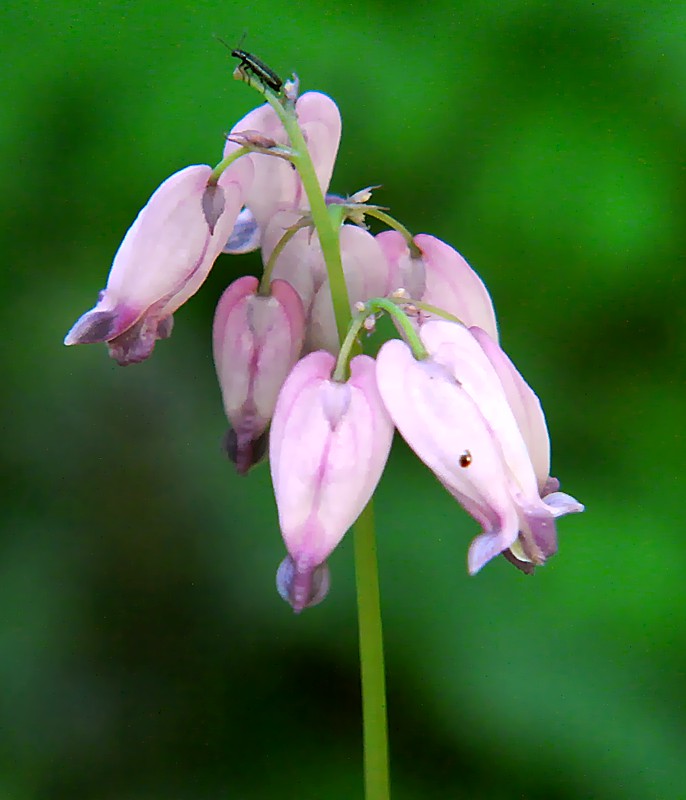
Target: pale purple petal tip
<point x="92" y="327"/>
<point x="484" y="548"/>
<point x="551" y="485"/>
<point x="245" y="236"/>
<point x="245" y="452"/>
<point x="102" y="325"/>
<point x="302" y="588"/>
<point x="561" y="504"/>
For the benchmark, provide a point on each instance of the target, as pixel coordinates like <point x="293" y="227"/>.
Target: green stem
<point x="227" y="161"/>
<point x="382" y="216"/>
<point x="326" y="225"/>
<point x="436" y="311"/>
<point x="376" y="773"/>
<point x="393" y="308"/>
<point x="349" y="347"/>
<point x="276" y="252"/>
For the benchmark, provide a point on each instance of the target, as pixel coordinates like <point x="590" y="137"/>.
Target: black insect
<point x="259" y="69"/>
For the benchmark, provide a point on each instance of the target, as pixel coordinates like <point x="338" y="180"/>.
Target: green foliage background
<point x="144" y="652"/>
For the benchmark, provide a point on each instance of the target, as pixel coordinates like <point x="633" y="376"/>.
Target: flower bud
<point x="165" y="256"/>
<point x="328" y="445"/>
<point x="256" y="339"/>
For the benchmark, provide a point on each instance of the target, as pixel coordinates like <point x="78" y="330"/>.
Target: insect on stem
<point x="252" y="64"/>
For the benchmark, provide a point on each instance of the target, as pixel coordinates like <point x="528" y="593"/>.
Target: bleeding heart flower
<point x="163" y="260"/>
<point x="257" y="340"/>
<point x="454" y="412"/>
<point x="328" y="445"/>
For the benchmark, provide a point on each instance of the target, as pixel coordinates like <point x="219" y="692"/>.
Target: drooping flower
<point x="454" y="412"/>
<point x="276" y="183"/>
<point x="328" y="445"/>
<point x="439" y="277"/>
<point x="257" y="339"/>
<point x="301" y="263"/>
<point x="164" y="258"/>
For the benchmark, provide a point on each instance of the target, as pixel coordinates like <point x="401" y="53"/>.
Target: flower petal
<point x="165" y="256"/>
<point x="257" y="339"/>
<point x="405" y="272"/>
<point x="524" y="403"/>
<point x="329" y="444"/>
<point x="302" y="589"/>
<point x="451" y="284"/>
<point x="276" y="184"/>
<point x="453" y="346"/>
<point x="446" y="429"/>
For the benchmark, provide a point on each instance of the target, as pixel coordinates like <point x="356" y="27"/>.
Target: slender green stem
<point x="276" y="252"/>
<point x="382" y="216"/>
<point x="326" y="225"/>
<point x="376" y="772"/>
<point x="227" y="161"/>
<point x="439" y="312"/>
<point x="348" y="348"/>
<point x="392" y="308"/>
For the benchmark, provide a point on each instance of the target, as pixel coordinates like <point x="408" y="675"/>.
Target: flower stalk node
<point x="255" y="142"/>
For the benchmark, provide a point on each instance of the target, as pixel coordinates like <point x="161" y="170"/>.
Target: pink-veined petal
<point x="443" y="425"/>
<point x="328" y="445"/>
<point x="524" y="403"/>
<point x="257" y="339"/>
<point x="453" y="346"/>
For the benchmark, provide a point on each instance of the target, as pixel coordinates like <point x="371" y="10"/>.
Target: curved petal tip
<point x="302" y="588"/>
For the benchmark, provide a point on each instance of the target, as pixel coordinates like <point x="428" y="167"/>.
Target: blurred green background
<point x="144" y="652"/>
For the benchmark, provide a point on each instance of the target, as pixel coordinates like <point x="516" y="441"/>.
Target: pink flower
<point x="164" y="258"/>
<point x="441" y="278"/>
<point x="301" y="263"/>
<point x="277" y="184"/>
<point x="454" y="411"/>
<point x="257" y="339"/>
<point x="328" y="445"/>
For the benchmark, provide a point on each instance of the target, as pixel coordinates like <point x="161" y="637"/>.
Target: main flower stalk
<point x="375" y="721"/>
<point x="327" y="226"/>
<point x="373" y="681"/>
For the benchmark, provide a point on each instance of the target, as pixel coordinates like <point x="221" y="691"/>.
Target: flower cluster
<point x="325" y="413"/>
